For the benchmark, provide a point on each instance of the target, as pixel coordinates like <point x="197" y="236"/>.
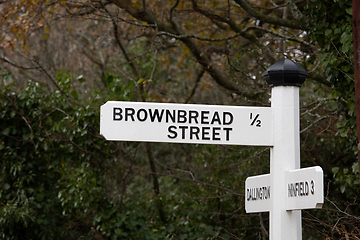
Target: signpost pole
<point x="285" y="155"/>
<point x="285" y="77"/>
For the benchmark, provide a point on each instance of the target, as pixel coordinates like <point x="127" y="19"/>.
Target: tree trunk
<point x="356" y="39"/>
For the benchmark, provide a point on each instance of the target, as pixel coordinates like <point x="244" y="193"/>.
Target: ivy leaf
<point x="6" y="131"/>
<point x="349" y="11"/>
<point x="6" y="186"/>
<point x="345" y="38"/>
<point x="355" y="167"/>
<point x="75" y="94"/>
<point x="81" y="78"/>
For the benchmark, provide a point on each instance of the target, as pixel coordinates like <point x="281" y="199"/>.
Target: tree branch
<point x="142" y="15"/>
<point x="155" y="180"/>
<point x="36" y="60"/>
<point x="16" y="65"/>
<point x="294" y="24"/>
<point x="239" y="32"/>
<point x="196" y="51"/>
<point x="180" y="37"/>
<point x="197" y="80"/>
<point x="174" y="29"/>
<point x="118" y="41"/>
<point x="294" y="39"/>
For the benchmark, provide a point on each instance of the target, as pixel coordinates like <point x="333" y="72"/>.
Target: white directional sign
<point x="186" y="123"/>
<point x="305" y="188"/>
<point x="257" y="193"/>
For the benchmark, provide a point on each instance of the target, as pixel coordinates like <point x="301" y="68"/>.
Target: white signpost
<point x="283" y="192"/>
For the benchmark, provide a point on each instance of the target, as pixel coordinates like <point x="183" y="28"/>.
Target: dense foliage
<point x="57" y="182"/>
<point x="61" y="60"/>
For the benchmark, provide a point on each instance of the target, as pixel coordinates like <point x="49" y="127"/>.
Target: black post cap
<point x="285" y="73"/>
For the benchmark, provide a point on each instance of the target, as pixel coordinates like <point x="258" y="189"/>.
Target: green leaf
<point x="6" y="186"/>
<point x="349" y="11"/>
<point x="6" y="131"/>
<point x="345" y="38"/>
<point x="97" y="218"/>
<point x="343" y="133"/>
<point x="40" y="197"/>
<point x="27" y="136"/>
<point x="328" y="32"/>
<point x="355" y="167"/>
<point x="335" y="170"/>
<point x="75" y="94"/>
<point x="81" y="78"/>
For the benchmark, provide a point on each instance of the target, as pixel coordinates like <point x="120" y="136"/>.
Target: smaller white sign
<point x="305" y="188"/>
<point x="257" y="194"/>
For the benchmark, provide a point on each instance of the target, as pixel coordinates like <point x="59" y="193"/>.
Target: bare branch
<point x="198" y="37"/>
<point x="173" y="9"/>
<point x="197" y="80"/>
<point x="294" y="39"/>
<point x="149" y="83"/>
<point x="203" y="183"/>
<point x="341" y="211"/>
<point x="155" y="180"/>
<point x="36" y="60"/>
<point x="294" y="24"/>
<point x="118" y="41"/>
<point x="4" y="59"/>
